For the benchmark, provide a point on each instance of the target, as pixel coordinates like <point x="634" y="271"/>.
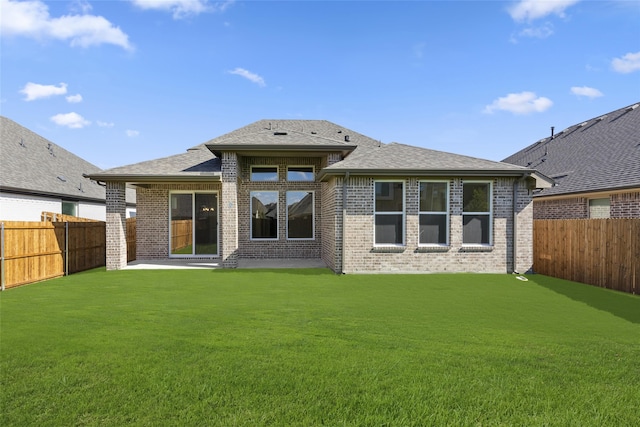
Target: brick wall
<point x="361" y="256"/>
<point x="625" y="205"/>
<point x="574" y="207"/>
<point x="153" y="217"/>
<point x="282" y="247"/>
<point x="116" y="227"/>
<point x="229" y="212"/>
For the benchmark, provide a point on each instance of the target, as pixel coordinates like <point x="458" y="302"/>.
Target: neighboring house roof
<point x="364" y="155"/>
<point x="31" y="164"/>
<point x="599" y="154"/>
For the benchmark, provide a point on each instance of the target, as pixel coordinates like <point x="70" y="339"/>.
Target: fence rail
<point x="35" y="251"/>
<point x="599" y="252"/>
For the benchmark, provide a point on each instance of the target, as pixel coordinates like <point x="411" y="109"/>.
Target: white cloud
<point x="530" y="10"/>
<point x="183" y="8"/>
<point x="70" y="120"/>
<point x="36" y="91"/>
<point x="74" y="99"/>
<point x="520" y="103"/>
<point x="105" y="124"/>
<point x="249" y="76"/>
<point x="627" y="64"/>
<point x="541" y="32"/>
<point x="132" y="133"/>
<point x="589" y="92"/>
<point x="31" y="19"/>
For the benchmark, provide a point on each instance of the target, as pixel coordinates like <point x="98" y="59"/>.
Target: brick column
<point x="116" y="226"/>
<point x="229" y="211"/>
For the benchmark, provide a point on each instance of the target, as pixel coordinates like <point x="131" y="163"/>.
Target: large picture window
<point x="300" y="211"/>
<point x="434" y="213"/>
<point x="194" y="224"/>
<point x="389" y="213"/>
<point x="476" y="213"/>
<point x="264" y="215"/>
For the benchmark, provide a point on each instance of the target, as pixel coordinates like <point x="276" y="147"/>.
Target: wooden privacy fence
<point x="599" y="252"/>
<point x="35" y="251"/>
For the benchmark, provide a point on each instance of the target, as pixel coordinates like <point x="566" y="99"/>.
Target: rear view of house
<point x="280" y="189"/>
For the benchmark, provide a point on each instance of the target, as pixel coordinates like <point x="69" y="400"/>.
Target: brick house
<point x="596" y="167"/>
<point x="280" y="189"/>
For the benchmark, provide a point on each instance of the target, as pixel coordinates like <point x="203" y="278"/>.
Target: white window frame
<point x="313" y="213"/>
<point x="589" y="205"/>
<point x="264" y="167"/>
<point x="193" y="225"/>
<point x="395" y="213"/>
<point x="313" y="172"/>
<point x="264" y="239"/>
<point x="446" y="213"/>
<point x="490" y="213"/>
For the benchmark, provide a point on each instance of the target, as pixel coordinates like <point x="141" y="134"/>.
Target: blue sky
<point x="118" y="82"/>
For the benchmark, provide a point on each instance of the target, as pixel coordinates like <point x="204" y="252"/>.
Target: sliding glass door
<point x="193" y="219"/>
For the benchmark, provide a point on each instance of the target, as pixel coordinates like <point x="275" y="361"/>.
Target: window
<point x="264" y="173"/>
<point x="476" y="213"/>
<point x="389" y="213"/>
<point x="264" y="215"/>
<point x="300" y="173"/>
<point x="599" y="208"/>
<point x="300" y="215"/>
<point x="70" y="208"/>
<point x="434" y="213"/>
<point x="193" y="219"/>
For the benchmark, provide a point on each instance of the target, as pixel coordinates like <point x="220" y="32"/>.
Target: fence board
<point x="599" y="252"/>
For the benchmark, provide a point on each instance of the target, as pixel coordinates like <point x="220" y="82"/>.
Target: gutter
<point x="344" y="218"/>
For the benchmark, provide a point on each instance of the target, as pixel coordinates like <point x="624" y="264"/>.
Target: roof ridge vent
<point x="601" y="118"/>
<point x="633" y="107"/>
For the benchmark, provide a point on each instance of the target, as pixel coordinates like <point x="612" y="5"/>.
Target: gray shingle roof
<point x="600" y="154"/>
<point x="406" y="159"/>
<point x="31" y="164"/>
<point x="197" y="163"/>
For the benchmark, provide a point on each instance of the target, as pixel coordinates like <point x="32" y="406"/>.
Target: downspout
<point x="344" y="218"/>
<point x="515" y="220"/>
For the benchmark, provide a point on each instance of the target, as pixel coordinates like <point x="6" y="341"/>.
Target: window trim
<point x="313" y="214"/>
<point x="446" y="213"/>
<point x="264" y="239"/>
<point x="489" y="214"/>
<point x="589" y="205"/>
<point x="252" y="167"/>
<point x="193" y="225"/>
<point x="313" y="172"/>
<point x="403" y="213"/>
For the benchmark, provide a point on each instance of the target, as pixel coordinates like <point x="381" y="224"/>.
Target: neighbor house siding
<point x="281" y="247"/>
<point x="362" y="256"/>
<point x="152" y="223"/>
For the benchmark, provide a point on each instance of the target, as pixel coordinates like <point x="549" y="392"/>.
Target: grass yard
<point x="309" y="348"/>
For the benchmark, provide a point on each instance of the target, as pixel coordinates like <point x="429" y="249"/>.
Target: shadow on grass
<point x="620" y="304"/>
<point x="295" y="271"/>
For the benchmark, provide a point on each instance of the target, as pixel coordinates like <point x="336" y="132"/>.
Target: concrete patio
<point x="173" y="264"/>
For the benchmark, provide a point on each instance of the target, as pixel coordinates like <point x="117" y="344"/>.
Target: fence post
<point x="2" y="255"/>
<point x="66" y="248"/>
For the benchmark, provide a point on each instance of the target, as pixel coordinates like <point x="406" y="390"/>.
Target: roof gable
<point x="602" y="153"/>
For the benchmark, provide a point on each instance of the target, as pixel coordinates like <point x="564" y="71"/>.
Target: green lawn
<point x="308" y="348"/>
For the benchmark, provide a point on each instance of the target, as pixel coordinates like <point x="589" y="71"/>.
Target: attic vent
<point x="62" y="178"/>
<point x="599" y="119"/>
<point x="347" y="138"/>
<point x="22" y="144"/>
<point x="633" y="107"/>
<point x="280" y="133"/>
<point x="313" y="132"/>
<point x="80" y="188"/>
<point x="583" y="124"/>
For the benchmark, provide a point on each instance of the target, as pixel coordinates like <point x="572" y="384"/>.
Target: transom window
<point x="434" y="213"/>
<point x="300" y="213"/>
<point x="476" y="213"/>
<point x="300" y="173"/>
<point x="264" y="173"/>
<point x="264" y="215"/>
<point x="389" y="213"/>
